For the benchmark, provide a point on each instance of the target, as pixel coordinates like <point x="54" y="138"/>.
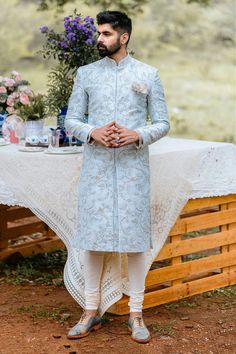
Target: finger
<point x="110" y="131"/>
<point x="114" y="144"/>
<point x="122" y="135"/>
<point x="110" y="123"/>
<point x="124" y="140"/>
<point x="114" y="136"/>
<point x="106" y="139"/>
<point x="125" y="143"/>
<point x="121" y="130"/>
<point x="118" y="125"/>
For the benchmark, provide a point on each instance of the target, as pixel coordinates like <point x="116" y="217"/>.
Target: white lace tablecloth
<point x="181" y="169"/>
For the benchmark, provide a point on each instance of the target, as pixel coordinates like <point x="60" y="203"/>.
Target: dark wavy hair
<point x="118" y="20"/>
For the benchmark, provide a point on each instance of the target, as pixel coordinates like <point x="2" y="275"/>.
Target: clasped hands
<point x="113" y="135"/>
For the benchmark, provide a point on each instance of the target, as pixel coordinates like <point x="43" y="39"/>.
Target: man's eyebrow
<point x="103" y="32"/>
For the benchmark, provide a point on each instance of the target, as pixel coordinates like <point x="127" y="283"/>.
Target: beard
<point x="105" y="51"/>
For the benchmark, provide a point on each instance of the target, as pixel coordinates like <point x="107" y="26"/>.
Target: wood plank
<point x="189" y="213"/>
<point x="182" y="270"/>
<point x="199" y="203"/>
<point x="27" y="229"/>
<point x="204" y="221"/>
<point x="28" y="250"/>
<point x="18" y="213"/>
<point x="232" y="226"/>
<point x="225" y="248"/>
<point x="175" y="260"/>
<point x="177" y="292"/>
<point x="3" y="229"/>
<point x="197" y="244"/>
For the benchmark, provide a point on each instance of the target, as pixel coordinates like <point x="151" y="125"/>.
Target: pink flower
<point x="10" y="109"/>
<point x="15" y="95"/>
<point x="15" y="73"/>
<point x="10" y="101"/>
<point x="9" y="82"/>
<point x="24" y="99"/>
<point x="3" y="89"/>
<point x="28" y="91"/>
<point x="17" y="76"/>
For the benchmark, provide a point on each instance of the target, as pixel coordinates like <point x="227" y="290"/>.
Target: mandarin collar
<point x="124" y="61"/>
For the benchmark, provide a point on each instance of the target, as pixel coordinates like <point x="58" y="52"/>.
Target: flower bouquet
<point x="27" y="121"/>
<point x="14" y="93"/>
<point x="73" y="47"/>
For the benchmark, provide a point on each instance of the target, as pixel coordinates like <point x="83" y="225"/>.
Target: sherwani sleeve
<point x="77" y="113"/>
<point x="158" y="113"/>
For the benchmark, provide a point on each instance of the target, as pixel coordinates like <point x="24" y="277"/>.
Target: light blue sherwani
<point x="114" y="189"/>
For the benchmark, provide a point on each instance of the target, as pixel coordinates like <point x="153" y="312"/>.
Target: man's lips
<point x="101" y="47"/>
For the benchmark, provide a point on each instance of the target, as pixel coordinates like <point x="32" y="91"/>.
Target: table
<point x="181" y="169"/>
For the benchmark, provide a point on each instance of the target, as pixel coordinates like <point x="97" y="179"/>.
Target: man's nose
<point x="100" y="38"/>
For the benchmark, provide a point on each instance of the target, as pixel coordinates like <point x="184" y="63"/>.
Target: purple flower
<point x="89" y="19"/>
<point x="71" y="36"/>
<point x="89" y="41"/>
<point x="44" y="29"/>
<point x="64" y="44"/>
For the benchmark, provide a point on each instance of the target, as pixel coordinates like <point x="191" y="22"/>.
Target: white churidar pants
<point x="93" y="266"/>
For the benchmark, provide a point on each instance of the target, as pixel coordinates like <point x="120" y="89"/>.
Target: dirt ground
<point x="34" y="319"/>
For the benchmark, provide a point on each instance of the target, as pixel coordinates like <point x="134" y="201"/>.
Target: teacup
<point x="43" y="139"/>
<point x="34" y="140"/>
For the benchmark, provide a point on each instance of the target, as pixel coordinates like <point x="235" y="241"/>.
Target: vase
<point x="34" y="128"/>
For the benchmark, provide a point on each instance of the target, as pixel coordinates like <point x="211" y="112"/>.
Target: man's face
<point x="108" y="41"/>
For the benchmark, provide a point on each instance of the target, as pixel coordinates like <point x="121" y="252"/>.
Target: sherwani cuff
<point x="139" y="144"/>
<point x="90" y="139"/>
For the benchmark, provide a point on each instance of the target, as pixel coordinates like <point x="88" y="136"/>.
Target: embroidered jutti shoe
<point x="85" y="325"/>
<point x="140" y="333"/>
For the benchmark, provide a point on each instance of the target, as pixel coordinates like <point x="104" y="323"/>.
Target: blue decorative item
<point x="62" y="138"/>
<point x="61" y="117"/>
<point x="60" y="124"/>
<point x="2" y="118"/>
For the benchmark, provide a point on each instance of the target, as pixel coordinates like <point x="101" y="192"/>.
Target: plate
<point x="30" y="149"/>
<point x="64" y="150"/>
<point x="4" y="143"/>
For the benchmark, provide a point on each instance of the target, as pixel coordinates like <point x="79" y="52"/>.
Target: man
<point x="108" y="111"/>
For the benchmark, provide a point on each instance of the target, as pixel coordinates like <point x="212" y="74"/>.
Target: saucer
<point x="64" y="150"/>
<point x="4" y="143"/>
<point x="30" y="149"/>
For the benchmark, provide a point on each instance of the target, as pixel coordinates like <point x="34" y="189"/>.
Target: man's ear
<point x="124" y="38"/>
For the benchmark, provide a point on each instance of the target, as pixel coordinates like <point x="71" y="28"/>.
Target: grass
<point x="181" y="303"/>
<point x="228" y="291"/>
<point x="59" y="314"/>
<point x="165" y="329"/>
<point x="43" y="268"/>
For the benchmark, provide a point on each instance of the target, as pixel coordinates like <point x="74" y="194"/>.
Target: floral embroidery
<point x="139" y="88"/>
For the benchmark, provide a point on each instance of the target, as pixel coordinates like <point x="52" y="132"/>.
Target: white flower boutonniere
<point x="139" y="88"/>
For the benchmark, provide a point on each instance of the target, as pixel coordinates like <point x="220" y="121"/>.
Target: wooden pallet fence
<point x="18" y="221"/>
<point x="199" y="255"/>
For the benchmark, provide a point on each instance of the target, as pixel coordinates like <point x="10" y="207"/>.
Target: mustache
<point x="99" y="45"/>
